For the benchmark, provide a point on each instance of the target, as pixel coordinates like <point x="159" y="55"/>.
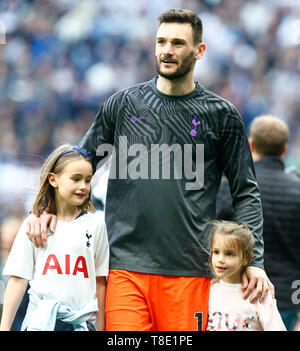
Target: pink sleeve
<point x="269" y="315"/>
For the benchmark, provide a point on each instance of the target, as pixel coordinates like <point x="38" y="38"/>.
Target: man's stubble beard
<point x="181" y="71"/>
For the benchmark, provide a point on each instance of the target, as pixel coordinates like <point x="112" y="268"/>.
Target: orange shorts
<point x="149" y="302"/>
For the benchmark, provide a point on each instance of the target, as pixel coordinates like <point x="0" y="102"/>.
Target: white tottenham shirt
<point x="67" y="267"/>
<point x="228" y="311"/>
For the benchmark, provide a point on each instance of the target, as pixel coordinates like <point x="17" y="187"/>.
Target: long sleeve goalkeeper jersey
<point x="168" y="157"/>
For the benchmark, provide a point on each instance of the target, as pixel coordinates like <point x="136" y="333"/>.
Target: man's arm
<point x="254" y="276"/>
<point x="256" y="283"/>
<point x="238" y="167"/>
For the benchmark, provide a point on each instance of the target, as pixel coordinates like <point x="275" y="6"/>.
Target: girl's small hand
<point x="256" y="283"/>
<point x="37" y="228"/>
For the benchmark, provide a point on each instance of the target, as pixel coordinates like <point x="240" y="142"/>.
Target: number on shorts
<point x="199" y="315"/>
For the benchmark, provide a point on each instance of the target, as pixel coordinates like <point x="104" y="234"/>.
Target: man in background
<point x="280" y="196"/>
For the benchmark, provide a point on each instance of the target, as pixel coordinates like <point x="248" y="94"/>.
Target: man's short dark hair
<point x="183" y="16"/>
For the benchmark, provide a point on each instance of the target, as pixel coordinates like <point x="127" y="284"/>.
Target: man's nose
<point x="168" y="49"/>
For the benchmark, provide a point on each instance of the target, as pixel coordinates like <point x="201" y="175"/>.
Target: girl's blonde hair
<point x="55" y="163"/>
<point x="238" y="236"/>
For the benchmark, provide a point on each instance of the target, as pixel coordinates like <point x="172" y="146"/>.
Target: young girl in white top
<point x="68" y="276"/>
<point x="231" y="253"/>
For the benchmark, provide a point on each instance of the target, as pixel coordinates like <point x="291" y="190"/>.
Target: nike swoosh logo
<point x="134" y="119"/>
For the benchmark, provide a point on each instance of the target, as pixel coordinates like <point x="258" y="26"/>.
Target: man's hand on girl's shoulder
<point x="36" y="228"/>
<point x="256" y="283"/>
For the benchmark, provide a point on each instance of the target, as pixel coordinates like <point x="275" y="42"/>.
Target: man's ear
<point x="251" y="144"/>
<point x="200" y="51"/>
<point x="284" y="151"/>
<point x="52" y="179"/>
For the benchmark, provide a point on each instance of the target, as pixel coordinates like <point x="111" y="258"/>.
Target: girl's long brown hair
<point x="55" y="163"/>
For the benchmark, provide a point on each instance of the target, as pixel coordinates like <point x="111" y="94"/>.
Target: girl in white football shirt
<point x="231" y="253"/>
<point x="67" y="277"/>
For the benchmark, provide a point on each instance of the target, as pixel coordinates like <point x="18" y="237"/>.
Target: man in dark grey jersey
<point x="171" y="140"/>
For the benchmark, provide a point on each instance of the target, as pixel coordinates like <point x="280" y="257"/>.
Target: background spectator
<point x="280" y="197"/>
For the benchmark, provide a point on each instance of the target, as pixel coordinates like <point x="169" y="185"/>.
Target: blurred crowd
<point x="61" y="59"/>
